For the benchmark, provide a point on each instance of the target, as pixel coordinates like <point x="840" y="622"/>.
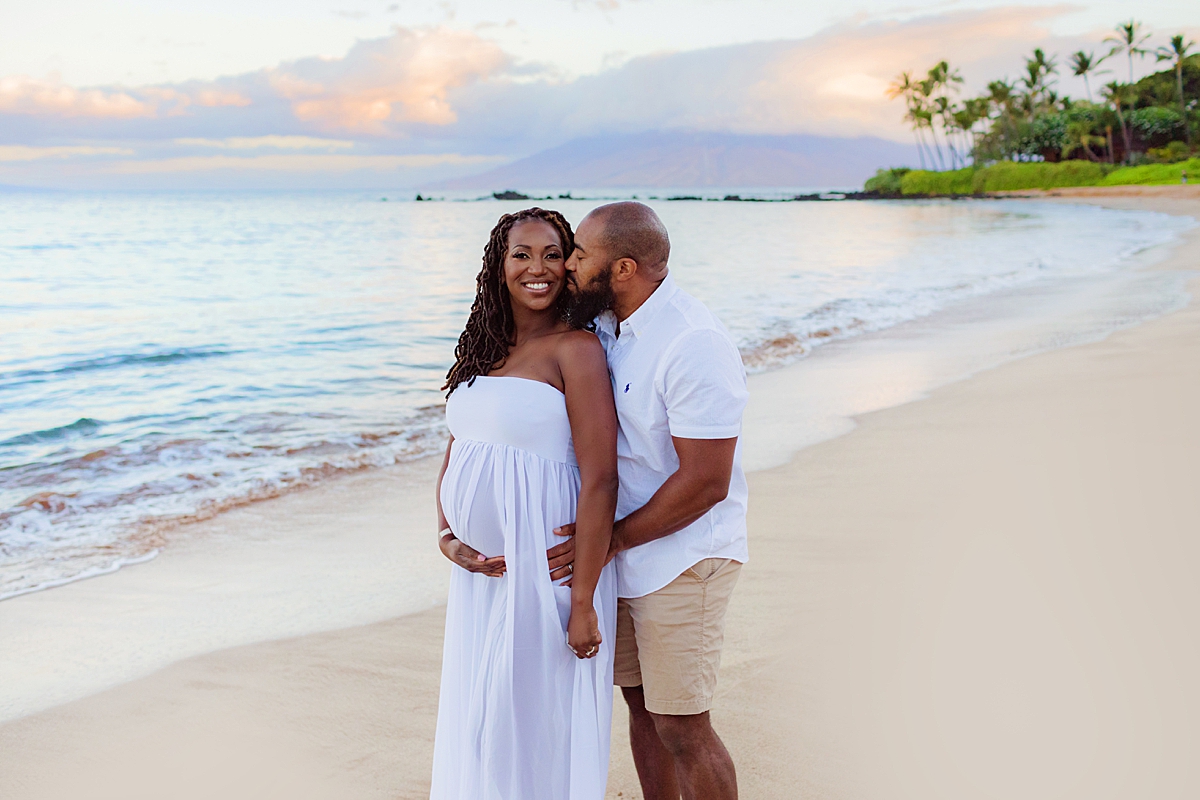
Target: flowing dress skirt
<point x="519" y="716"/>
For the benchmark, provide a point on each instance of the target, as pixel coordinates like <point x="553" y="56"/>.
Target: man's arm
<point x="704" y="390"/>
<point x="702" y="481"/>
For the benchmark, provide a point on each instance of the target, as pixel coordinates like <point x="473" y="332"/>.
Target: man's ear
<point x="624" y="268"/>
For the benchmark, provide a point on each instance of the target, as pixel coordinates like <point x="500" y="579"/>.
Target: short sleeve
<point x="704" y="386"/>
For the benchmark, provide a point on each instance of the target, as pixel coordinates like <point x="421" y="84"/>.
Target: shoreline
<point x="845" y="329"/>
<point x="277" y="699"/>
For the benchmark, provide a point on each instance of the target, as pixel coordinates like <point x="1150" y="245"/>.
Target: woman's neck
<point x="529" y="324"/>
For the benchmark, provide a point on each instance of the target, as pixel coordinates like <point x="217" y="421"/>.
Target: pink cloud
<point x="21" y="94"/>
<point x="215" y="98"/>
<point x="840" y="75"/>
<point x="832" y="83"/>
<point x="403" y="78"/>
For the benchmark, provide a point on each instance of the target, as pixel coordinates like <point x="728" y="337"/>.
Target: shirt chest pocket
<point x="640" y="409"/>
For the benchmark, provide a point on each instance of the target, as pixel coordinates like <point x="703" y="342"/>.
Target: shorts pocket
<point x="705" y="569"/>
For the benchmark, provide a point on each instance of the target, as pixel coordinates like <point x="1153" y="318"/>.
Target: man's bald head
<point x="632" y="230"/>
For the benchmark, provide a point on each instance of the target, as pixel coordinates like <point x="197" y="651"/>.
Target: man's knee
<point x="635" y="698"/>
<point x="684" y="734"/>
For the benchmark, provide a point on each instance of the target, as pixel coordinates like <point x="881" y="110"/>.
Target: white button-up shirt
<point x="675" y="372"/>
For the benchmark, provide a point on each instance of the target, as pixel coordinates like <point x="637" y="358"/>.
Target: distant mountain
<point x="680" y="160"/>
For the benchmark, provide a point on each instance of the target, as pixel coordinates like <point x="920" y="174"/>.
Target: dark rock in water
<point x="838" y="196"/>
<point x="419" y="198"/>
<point x="733" y="197"/>
<point x="509" y="194"/>
<point x="686" y="197"/>
<point x="567" y="196"/>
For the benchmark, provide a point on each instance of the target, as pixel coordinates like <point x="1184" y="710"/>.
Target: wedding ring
<point x="571" y="567"/>
<point x="591" y="651"/>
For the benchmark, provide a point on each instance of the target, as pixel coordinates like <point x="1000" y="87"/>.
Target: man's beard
<point x="588" y="302"/>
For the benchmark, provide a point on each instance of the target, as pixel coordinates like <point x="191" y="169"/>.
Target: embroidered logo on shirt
<point x="627" y="388"/>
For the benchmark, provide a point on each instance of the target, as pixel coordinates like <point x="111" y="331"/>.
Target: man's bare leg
<point x="655" y="766"/>
<point x="702" y="764"/>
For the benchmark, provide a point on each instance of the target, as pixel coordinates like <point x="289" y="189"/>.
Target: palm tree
<point x="904" y="86"/>
<point x="942" y="80"/>
<point x="1118" y="94"/>
<point x="1001" y="94"/>
<point x="926" y="91"/>
<point x="974" y="110"/>
<point x="1128" y="39"/>
<point x="1038" y="70"/>
<point x="1080" y="137"/>
<point x="1002" y="97"/>
<point x="1177" y="52"/>
<point x="1083" y="64"/>
<point x="939" y="82"/>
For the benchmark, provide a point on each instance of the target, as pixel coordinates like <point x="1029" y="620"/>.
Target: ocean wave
<point x="80" y="427"/>
<point x="81" y="575"/>
<point x="116" y="361"/>
<point x="786" y="341"/>
<point x="82" y="511"/>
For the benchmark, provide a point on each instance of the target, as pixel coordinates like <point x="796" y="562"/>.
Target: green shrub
<point x="1008" y="176"/>
<point x="1154" y="174"/>
<point x="925" y="182"/>
<point x="1174" y="151"/>
<point x="1157" y="125"/>
<point x="1046" y="134"/>
<point x="886" y="181"/>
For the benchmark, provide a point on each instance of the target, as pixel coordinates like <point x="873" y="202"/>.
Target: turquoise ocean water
<point x="167" y="356"/>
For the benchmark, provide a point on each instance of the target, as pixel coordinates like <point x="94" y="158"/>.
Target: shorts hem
<point x="628" y="681"/>
<point x="679" y="708"/>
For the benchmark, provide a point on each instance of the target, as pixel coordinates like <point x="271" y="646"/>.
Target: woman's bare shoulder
<point x="579" y="344"/>
<point x="580" y="353"/>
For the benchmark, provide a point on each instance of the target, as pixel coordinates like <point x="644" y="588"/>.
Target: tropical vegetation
<point x="1023" y="134"/>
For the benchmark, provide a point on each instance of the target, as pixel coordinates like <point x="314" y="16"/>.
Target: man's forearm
<point x="678" y="503"/>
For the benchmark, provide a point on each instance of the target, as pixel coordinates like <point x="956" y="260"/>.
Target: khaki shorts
<point x="669" y="641"/>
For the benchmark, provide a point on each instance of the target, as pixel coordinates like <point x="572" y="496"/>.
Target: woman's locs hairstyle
<point x="484" y="343"/>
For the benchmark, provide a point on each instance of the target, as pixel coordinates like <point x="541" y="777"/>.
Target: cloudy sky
<point x="310" y="93"/>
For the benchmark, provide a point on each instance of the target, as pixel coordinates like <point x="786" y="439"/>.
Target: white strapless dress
<point x="519" y="716"/>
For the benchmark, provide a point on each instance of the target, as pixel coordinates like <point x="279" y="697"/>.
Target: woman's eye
<point x="555" y="256"/>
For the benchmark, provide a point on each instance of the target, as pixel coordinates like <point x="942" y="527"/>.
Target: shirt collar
<point x="637" y="322"/>
<point x="606" y="323"/>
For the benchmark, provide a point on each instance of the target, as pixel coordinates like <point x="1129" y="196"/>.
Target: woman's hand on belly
<point x="471" y="559"/>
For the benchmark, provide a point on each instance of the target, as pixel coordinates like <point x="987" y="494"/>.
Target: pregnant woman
<point x="526" y="697"/>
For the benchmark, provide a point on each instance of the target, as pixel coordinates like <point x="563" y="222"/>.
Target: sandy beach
<point x="989" y="592"/>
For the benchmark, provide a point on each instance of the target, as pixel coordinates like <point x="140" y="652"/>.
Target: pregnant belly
<point x="473" y="504"/>
<point x="491" y="493"/>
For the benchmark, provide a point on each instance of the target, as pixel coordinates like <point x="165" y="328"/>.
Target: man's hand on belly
<point x="562" y="556"/>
